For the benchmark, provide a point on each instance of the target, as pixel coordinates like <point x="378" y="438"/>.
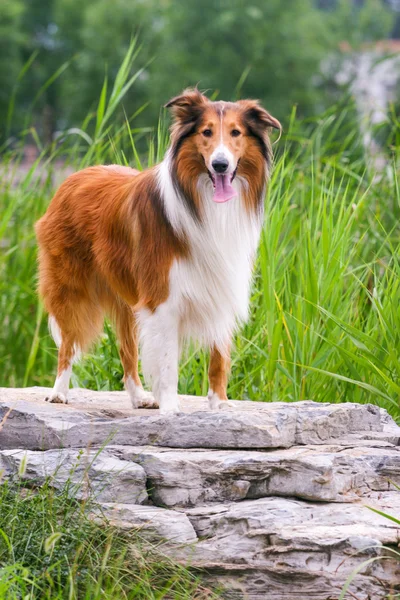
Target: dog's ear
<point x="257" y="118"/>
<point x="187" y="107"/>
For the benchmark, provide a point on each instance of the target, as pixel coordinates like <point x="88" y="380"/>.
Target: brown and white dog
<point x="167" y="253"/>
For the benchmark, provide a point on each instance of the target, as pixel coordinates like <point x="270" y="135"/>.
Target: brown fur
<point x="218" y="372"/>
<point x="101" y="241"/>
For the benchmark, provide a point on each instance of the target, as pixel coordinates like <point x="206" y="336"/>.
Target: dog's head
<point x="222" y="139"/>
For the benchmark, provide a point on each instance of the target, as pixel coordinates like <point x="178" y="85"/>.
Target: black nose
<point x="220" y="165"/>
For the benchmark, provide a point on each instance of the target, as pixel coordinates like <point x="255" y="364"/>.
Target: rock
<point x="290" y="523"/>
<point x="150" y="522"/>
<point x="268" y="499"/>
<point x="31" y="423"/>
<point x="295" y="549"/>
<point x="33" y="426"/>
<point x="179" y="478"/>
<point x="93" y="473"/>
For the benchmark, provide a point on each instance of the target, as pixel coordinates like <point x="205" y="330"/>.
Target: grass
<point x="325" y="306"/>
<point x="50" y="549"/>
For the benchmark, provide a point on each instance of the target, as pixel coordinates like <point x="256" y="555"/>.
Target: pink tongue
<point x="223" y="188"/>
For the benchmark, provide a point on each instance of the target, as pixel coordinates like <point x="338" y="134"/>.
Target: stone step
<point x="99" y="474"/>
<point x="295" y="549"/>
<point x="269" y="500"/>
<point x="154" y="524"/>
<point x="31" y="423"/>
<point x="177" y="478"/>
<point x="278" y="548"/>
<point x="185" y="478"/>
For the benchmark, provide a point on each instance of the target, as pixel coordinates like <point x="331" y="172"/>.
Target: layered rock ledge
<point x="270" y="500"/>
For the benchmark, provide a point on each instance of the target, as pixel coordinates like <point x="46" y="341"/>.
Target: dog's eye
<point x="235" y="132"/>
<point x="207" y="133"/>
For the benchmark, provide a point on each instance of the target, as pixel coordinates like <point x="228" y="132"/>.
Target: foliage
<point x="11" y="39"/>
<point x="268" y="50"/>
<point x="363" y="22"/>
<point x="50" y="548"/>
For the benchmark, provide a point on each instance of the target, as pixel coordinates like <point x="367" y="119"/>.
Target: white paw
<point x="169" y="405"/>
<point x="57" y="398"/>
<point x="145" y="399"/>
<point x="138" y="396"/>
<point x="216" y="403"/>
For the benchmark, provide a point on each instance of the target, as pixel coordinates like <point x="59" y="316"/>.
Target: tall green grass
<point x="51" y="549"/>
<point x="325" y="306"/>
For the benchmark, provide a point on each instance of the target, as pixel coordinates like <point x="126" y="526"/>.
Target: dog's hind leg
<point x="127" y="332"/>
<point x="66" y="355"/>
<point x="74" y="324"/>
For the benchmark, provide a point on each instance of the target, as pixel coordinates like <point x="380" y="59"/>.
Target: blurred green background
<point x="54" y="54"/>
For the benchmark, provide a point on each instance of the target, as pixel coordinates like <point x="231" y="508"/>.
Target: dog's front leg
<point x="160" y="354"/>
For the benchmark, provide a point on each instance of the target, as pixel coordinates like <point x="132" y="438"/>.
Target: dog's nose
<point x="220" y="164"/>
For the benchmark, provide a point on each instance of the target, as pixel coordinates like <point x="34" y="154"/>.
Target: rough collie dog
<point x="167" y="253"/>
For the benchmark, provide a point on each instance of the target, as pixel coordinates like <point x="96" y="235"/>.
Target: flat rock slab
<point x="95" y="473"/>
<point x="152" y="523"/>
<point x="179" y="478"/>
<point x="277" y="548"/>
<point x="186" y="478"/>
<point x="297" y="550"/>
<point x="29" y="422"/>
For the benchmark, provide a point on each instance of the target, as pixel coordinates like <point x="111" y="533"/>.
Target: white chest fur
<point x="210" y="289"/>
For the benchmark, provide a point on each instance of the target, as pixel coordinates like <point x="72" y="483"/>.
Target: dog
<point x="166" y="253"/>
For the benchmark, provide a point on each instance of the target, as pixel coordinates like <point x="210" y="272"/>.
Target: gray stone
<point x="292" y="549"/>
<point x="31" y="423"/>
<point x="299" y="474"/>
<point x="319" y="423"/>
<point x="150" y="522"/>
<point x="323" y="473"/>
<point x="93" y="473"/>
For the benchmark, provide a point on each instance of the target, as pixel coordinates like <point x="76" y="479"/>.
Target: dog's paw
<point x="222" y="405"/>
<point x="146" y="400"/>
<point x="216" y="403"/>
<point x="138" y="396"/>
<point x="167" y="411"/>
<point x="169" y="405"/>
<point x="56" y="398"/>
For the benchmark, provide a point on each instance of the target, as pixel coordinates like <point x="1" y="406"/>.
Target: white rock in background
<point x="373" y="77"/>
